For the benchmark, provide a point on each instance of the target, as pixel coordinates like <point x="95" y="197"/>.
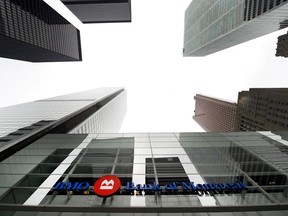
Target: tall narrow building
<point x="95" y="111"/>
<point x="262" y="109"/>
<point x="214" y="25"/>
<point x="214" y="114"/>
<point x="30" y="30"/>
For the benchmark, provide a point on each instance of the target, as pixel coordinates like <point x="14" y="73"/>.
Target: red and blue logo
<point x="107" y="186"/>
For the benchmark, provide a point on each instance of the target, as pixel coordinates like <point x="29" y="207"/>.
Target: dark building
<point x="262" y="109"/>
<point x="30" y="30"/>
<point x="282" y="46"/>
<point x="100" y="11"/>
<point x="214" y="114"/>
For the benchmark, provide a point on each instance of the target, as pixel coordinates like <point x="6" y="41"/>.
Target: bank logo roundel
<point x="107" y="186"/>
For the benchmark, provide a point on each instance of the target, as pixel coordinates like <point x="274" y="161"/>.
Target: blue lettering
<point x="74" y="187"/>
<point x="221" y="186"/>
<point x="193" y="188"/>
<point x="157" y="187"/>
<point x="185" y="186"/>
<point x="147" y="187"/>
<point x="168" y="187"/>
<point x="242" y="186"/>
<point x="59" y="186"/>
<point x="200" y="187"/>
<point x="83" y="187"/>
<point x="71" y="186"/>
<point x="138" y="187"/>
<point x="227" y="187"/>
<point x="208" y="187"/>
<point x="216" y="186"/>
<point x="175" y="186"/>
<point x="129" y="186"/>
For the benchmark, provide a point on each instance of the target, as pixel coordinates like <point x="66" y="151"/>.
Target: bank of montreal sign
<point x="109" y="185"/>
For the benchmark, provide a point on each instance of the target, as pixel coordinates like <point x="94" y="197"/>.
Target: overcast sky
<point x="145" y="57"/>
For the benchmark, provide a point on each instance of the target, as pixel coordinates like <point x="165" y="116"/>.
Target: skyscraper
<point x="282" y="46"/>
<point x="214" y="114"/>
<point x="93" y="111"/>
<point x="30" y="30"/>
<point x="262" y="109"/>
<point x="214" y="25"/>
<point x="99" y="11"/>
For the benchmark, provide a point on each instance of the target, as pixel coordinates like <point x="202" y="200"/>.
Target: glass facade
<point x="214" y="25"/>
<point x="257" y="160"/>
<point x="63" y="113"/>
<point x="33" y="31"/>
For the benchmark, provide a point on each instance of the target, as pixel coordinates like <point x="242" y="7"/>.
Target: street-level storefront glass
<point x="159" y="173"/>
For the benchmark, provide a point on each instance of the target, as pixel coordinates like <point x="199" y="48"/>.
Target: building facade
<point x="282" y="46"/>
<point x="214" y="25"/>
<point x="33" y="31"/>
<point x="95" y="11"/>
<point x="240" y="173"/>
<point x="214" y="115"/>
<point x="262" y="109"/>
<point x="92" y="111"/>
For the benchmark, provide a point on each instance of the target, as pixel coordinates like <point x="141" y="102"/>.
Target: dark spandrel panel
<point x="123" y="169"/>
<point x="17" y="195"/>
<point x="93" y="169"/>
<point x="103" y="154"/>
<point x="44" y="168"/>
<point x="223" y="179"/>
<point x="98" y="159"/>
<point x="101" y="151"/>
<point x="91" y="179"/>
<point x="172" y="168"/>
<point x="169" y="180"/>
<point x="54" y="159"/>
<point x="126" y="151"/>
<point x="16" y="168"/>
<point x="266" y="180"/>
<point x="31" y="181"/>
<point x="62" y="151"/>
<point x="201" y="150"/>
<point x="208" y="159"/>
<point x="150" y="179"/>
<point x="125" y="159"/>
<point x="48" y="168"/>
<point x="256" y="167"/>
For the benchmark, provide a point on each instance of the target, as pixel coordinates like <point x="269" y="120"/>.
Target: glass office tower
<point x="99" y="110"/>
<point x="237" y="174"/>
<point x="214" y="25"/>
<point x="30" y="30"/>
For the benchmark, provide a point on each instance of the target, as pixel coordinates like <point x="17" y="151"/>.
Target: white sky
<point x="145" y="57"/>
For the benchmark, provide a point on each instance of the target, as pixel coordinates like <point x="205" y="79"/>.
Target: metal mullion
<point x="115" y="161"/>
<point x="48" y="202"/>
